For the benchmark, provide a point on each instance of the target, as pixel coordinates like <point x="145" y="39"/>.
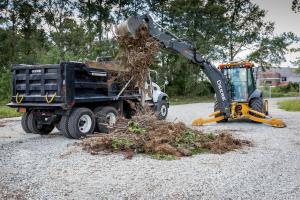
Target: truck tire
<point x="162" y="110"/>
<point x="24" y="122"/>
<point x="33" y="126"/>
<point x="106" y="117"/>
<point x="57" y="126"/>
<point x="63" y="127"/>
<point x="96" y="112"/>
<point x="81" y="122"/>
<point x="216" y="108"/>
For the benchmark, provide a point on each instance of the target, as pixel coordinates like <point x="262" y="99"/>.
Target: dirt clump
<point x="225" y="142"/>
<point x="161" y="139"/>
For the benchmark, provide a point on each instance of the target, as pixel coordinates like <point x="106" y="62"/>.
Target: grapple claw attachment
<point x="130" y="26"/>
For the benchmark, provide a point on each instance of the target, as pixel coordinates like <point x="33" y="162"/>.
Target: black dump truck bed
<point x="64" y="85"/>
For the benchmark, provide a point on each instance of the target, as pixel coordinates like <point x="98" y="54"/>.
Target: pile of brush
<point x="161" y="139"/>
<point x="144" y="133"/>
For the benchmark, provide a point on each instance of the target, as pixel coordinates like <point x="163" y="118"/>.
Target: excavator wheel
<point x="257" y="105"/>
<point x="216" y="108"/>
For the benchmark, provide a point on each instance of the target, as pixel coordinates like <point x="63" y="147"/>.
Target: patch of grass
<point x="134" y="127"/>
<point x="211" y="136"/>
<point x="199" y="150"/>
<point x="188" y="137"/>
<point x="6" y="111"/>
<point x="287" y="94"/>
<point x="290" y="105"/>
<point x="192" y="142"/>
<point x="177" y="100"/>
<point x="121" y="143"/>
<point x="159" y="156"/>
<point x="277" y="92"/>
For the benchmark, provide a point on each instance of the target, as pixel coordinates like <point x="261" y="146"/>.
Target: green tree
<point x="97" y="15"/>
<point x="21" y="32"/>
<point x="272" y="51"/>
<point x="59" y="18"/>
<point x="296" y="5"/>
<point x="296" y="8"/>
<point x="296" y="63"/>
<point x="199" y="22"/>
<point x="245" y="26"/>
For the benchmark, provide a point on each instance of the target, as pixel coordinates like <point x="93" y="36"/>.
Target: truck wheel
<point x="24" y="122"/>
<point x="34" y="127"/>
<point x="106" y="117"/>
<point x="81" y="123"/>
<point x="162" y="110"/>
<point x="63" y="127"/>
<point x="216" y="108"/>
<point x="96" y="112"/>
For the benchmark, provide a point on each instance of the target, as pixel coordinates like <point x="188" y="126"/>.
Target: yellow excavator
<point x="246" y="100"/>
<point x="234" y="84"/>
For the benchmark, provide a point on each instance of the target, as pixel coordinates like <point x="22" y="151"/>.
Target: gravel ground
<point x="50" y="167"/>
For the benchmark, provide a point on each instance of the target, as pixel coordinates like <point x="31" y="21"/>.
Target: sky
<point x="280" y="12"/>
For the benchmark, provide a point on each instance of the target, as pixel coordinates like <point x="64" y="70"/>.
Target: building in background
<point x="277" y="76"/>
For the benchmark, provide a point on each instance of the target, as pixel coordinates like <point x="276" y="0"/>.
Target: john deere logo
<point x="221" y="90"/>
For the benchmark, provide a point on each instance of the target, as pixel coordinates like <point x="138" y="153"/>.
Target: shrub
<point x="291" y="87"/>
<point x="5" y="86"/>
<point x="121" y="143"/>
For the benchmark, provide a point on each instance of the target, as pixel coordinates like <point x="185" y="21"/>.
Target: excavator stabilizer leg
<point x="275" y="122"/>
<point x="201" y="121"/>
<point x="246" y="113"/>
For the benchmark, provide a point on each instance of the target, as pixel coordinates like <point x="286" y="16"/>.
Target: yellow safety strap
<point x="52" y="98"/>
<point x="19" y="100"/>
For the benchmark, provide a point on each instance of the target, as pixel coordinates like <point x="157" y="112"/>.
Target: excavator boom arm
<point x="187" y="50"/>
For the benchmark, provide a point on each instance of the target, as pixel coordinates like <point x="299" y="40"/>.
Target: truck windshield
<point x="153" y="76"/>
<point x="238" y="81"/>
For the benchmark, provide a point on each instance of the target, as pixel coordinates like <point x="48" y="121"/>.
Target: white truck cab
<point x="155" y="96"/>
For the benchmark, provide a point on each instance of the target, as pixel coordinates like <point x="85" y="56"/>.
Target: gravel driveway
<point x="50" y="167"/>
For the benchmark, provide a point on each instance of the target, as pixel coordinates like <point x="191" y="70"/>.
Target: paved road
<point x="50" y="167"/>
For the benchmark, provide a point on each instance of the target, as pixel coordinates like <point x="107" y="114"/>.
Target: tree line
<point x="49" y="31"/>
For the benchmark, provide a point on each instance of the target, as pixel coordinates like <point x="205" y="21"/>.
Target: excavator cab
<point x="240" y="78"/>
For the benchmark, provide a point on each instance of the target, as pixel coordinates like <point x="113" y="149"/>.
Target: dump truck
<point x="79" y="98"/>
<point x="235" y="99"/>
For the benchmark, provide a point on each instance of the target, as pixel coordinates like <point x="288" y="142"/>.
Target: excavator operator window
<point x="238" y="81"/>
<point x="251" y="81"/>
